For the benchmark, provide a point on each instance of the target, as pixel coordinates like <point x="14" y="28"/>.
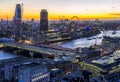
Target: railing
<point x="41" y="49"/>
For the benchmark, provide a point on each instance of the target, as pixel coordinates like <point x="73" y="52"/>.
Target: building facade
<point x="110" y="43"/>
<point x="18" y="15"/>
<point x="24" y="70"/>
<point x="44" y="20"/>
<point x="34" y="74"/>
<point x="106" y="67"/>
<point x="18" y="22"/>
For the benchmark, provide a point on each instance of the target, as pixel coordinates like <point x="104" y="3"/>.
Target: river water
<point x="86" y="42"/>
<point x="6" y="55"/>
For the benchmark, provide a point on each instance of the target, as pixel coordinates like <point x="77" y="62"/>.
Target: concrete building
<point x="110" y="43"/>
<point x="33" y="73"/>
<point x="44" y="20"/>
<point x="106" y="67"/>
<point x="24" y="70"/>
<point x="73" y="77"/>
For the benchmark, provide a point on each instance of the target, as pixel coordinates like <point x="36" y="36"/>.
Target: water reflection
<point x="86" y="42"/>
<point x="6" y="55"/>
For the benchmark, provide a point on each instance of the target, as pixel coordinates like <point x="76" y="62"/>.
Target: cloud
<point x="86" y="9"/>
<point x="115" y="14"/>
<point x="113" y="7"/>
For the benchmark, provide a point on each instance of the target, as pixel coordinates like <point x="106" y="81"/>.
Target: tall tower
<point x="18" y="22"/>
<point x="43" y="20"/>
<point x="18" y="15"/>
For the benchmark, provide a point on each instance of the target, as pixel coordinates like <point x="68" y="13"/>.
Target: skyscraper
<point x="44" y="20"/>
<point x="18" y="15"/>
<point x="18" y="22"/>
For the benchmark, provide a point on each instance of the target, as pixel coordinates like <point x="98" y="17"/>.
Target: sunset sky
<point x="84" y="9"/>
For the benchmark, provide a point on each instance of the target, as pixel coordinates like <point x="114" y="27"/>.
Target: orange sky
<point x="55" y="16"/>
<point x="84" y="9"/>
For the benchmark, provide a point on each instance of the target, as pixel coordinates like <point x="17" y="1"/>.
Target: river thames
<point x="86" y="42"/>
<point x="82" y="42"/>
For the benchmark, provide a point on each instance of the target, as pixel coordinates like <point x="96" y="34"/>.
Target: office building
<point x="107" y="67"/>
<point x="73" y="77"/>
<point x="18" y="15"/>
<point x="24" y="70"/>
<point x="33" y="73"/>
<point x="110" y="43"/>
<point x="43" y="20"/>
<point x="18" y="22"/>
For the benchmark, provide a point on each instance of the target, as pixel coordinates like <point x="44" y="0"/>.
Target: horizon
<point x="84" y="9"/>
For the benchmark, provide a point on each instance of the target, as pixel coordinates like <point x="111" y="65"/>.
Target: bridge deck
<point x="38" y="49"/>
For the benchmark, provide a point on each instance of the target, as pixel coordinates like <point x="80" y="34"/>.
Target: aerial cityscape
<point x="59" y="40"/>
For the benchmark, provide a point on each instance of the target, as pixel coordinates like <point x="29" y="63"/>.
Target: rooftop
<point x="31" y="65"/>
<point x="108" y="59"/>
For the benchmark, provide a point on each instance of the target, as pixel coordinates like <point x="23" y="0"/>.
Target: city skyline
<point x="84" y="9"/>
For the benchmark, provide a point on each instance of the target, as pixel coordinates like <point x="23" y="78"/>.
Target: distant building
<point x="89" y="53"/>
<point x="44" y="20"/>
<point x="106" y="67"/>
<point x="18" y="15"/>
<point x="18" y="21"/>
<point x="110" y="43"/>
<point x="64" y="65"/>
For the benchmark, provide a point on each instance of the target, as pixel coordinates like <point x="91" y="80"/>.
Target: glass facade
<point x="43" y="20"/>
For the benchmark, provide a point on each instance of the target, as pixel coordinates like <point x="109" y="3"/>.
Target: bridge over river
<point x="39" y="49"/>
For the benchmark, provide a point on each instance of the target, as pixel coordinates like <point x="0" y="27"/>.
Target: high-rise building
<point x="18" y="22"/>
<point x="43" y="20"/>
<point x="18" y="15"/>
